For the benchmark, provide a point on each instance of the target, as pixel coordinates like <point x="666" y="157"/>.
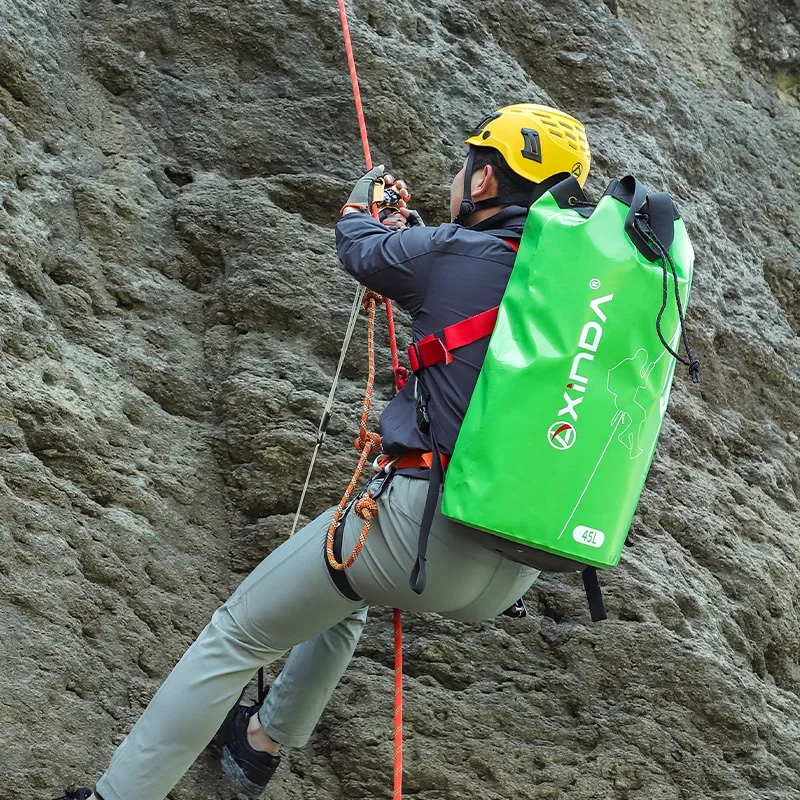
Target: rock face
<point x="172" y="310"/>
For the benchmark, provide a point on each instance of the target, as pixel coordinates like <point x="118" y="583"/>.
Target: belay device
<point x="563" y="424"/>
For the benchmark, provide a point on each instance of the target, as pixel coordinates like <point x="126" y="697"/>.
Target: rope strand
<point x="690" y="361"/>
<point x="398" y="704"/>
<point x="328" y="411"/>
<point x="365" y="507"/>
<point x="366" y="443"/>
<point x="351" y="64"/>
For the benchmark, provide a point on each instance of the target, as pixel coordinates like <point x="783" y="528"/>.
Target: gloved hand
<point x="362" y="195"/>
<point x="403" y="218"/>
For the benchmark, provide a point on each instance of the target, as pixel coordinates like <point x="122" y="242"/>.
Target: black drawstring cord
<point x="692" y="362"/>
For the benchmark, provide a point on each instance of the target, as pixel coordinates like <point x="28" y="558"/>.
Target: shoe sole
<point x="236" y="778"/>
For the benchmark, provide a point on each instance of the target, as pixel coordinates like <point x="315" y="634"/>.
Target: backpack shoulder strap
<point x="434" y="349"/>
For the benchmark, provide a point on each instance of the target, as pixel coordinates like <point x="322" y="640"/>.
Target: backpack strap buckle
<point x="427" y="352"/>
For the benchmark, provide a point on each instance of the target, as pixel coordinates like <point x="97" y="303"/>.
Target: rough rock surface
<point x="171" y="315"/>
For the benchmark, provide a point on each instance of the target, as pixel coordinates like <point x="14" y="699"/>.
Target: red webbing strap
<point x="471" y="329"/>
<point x="433" y="349"/>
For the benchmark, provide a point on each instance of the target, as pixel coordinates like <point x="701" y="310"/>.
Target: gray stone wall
<point x="171" y="310"/>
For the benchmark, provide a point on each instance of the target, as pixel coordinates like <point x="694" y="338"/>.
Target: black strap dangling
<point x="594" y="594"/>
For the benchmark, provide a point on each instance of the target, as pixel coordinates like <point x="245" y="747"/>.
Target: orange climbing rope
<point x="366" y="507"/>
<point x="369" y="442"/>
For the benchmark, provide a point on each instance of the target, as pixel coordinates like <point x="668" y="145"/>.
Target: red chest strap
<point x="434" y="349"/>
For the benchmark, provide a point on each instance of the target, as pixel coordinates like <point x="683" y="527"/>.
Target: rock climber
<point x="293" y="600"/>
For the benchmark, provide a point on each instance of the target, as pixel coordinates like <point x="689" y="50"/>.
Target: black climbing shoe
<point x="75" y="793"/>
<point x="248" y="770"/>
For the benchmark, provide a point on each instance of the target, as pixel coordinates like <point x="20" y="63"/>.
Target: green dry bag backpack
<point x="563" y="424"/>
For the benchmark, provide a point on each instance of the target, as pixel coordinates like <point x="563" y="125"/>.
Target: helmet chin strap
<point x="469" y="206"/>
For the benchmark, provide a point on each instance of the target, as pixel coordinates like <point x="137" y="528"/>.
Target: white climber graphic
<point x="629" y="412"/>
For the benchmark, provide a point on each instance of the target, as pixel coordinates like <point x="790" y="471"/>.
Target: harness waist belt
<point x="410" y="460"/>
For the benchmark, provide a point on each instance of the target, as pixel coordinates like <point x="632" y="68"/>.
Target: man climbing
<point x="292" y="600"/>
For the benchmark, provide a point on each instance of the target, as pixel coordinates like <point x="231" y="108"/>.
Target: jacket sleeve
<point x="395" y="264"/>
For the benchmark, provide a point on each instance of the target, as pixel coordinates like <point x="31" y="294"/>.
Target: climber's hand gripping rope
<point x="402" y="218"/>
<point x="384" y="196"/>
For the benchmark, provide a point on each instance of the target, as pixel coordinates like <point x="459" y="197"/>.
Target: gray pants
<point x="290" y="601"/>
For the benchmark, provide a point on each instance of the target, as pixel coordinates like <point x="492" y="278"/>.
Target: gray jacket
<point x="440" y="275"/>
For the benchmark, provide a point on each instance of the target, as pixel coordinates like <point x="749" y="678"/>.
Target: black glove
<point x="402" y="218"/>
<point x="363" y="192"/>
<point x="414" y="219"/>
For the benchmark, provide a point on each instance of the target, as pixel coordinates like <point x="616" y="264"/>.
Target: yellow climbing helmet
<point x="537" y="142"/>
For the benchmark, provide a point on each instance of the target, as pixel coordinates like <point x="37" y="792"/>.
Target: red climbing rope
<point x="400" y="378"/>
<point x="398" y="705"/>
<point x="399" y="373"/>
<point x="351" y="64"/>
